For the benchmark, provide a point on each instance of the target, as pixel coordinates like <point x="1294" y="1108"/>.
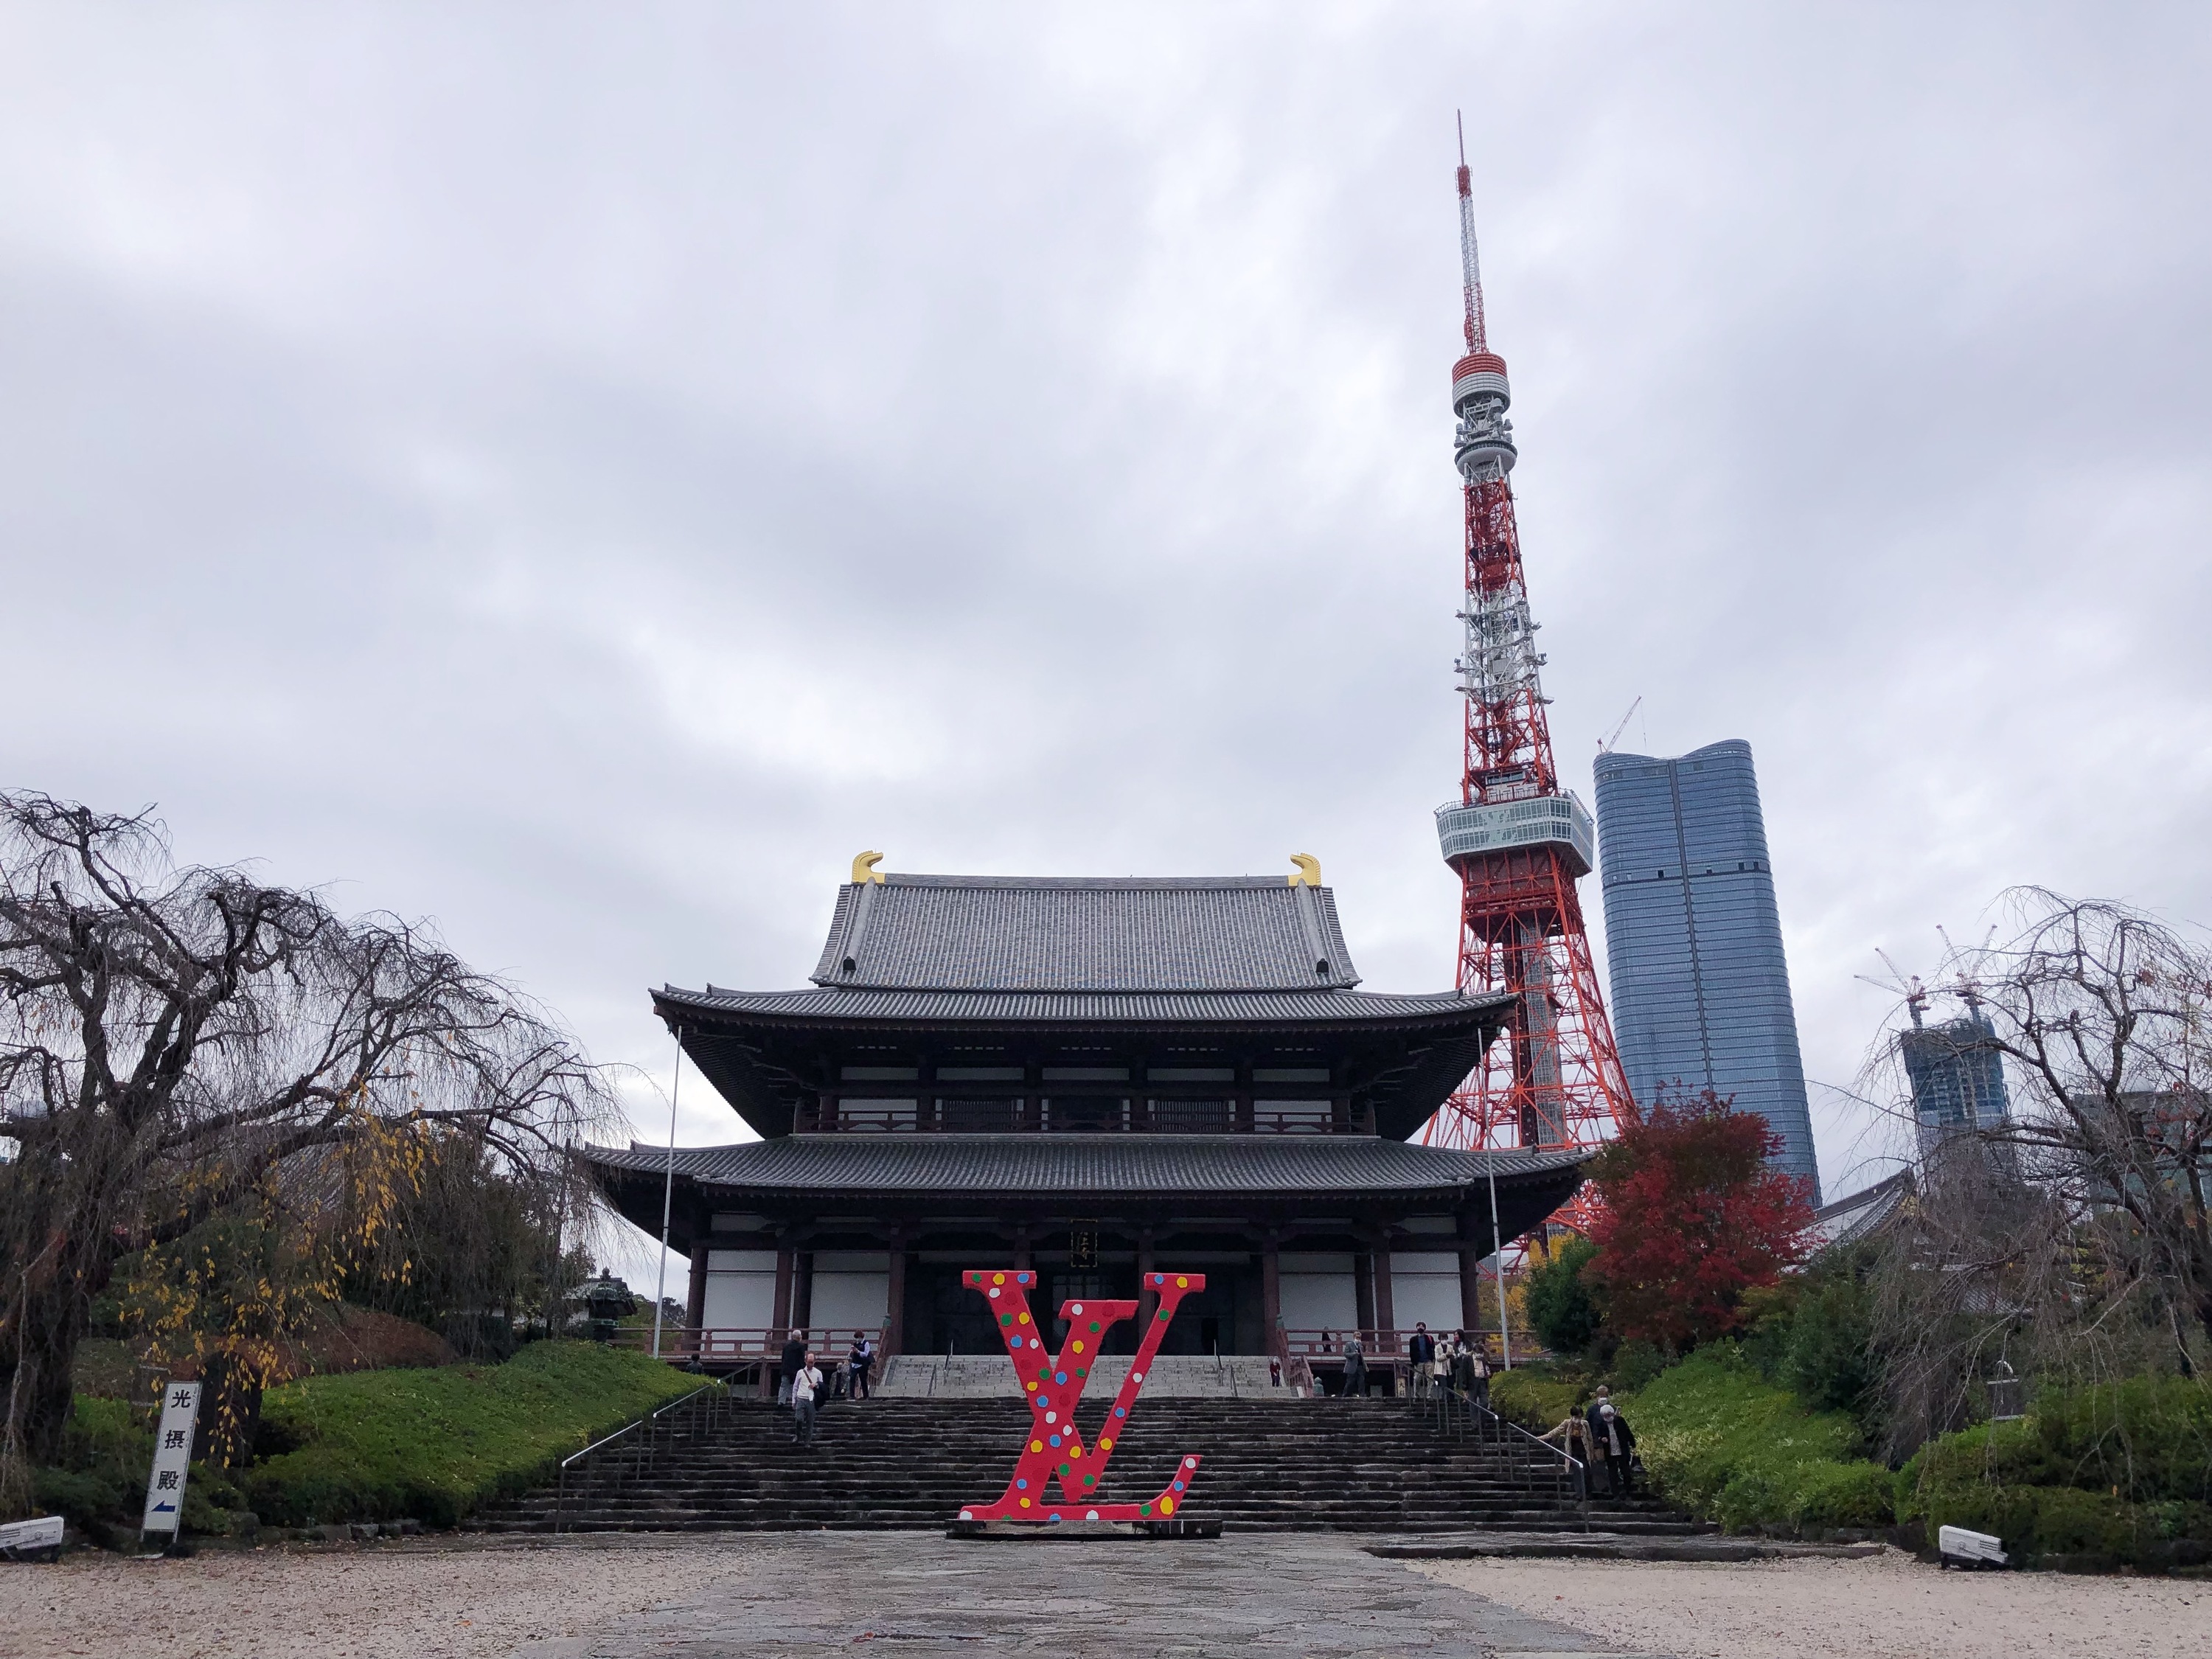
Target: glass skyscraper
<point x="1693" y="942"/>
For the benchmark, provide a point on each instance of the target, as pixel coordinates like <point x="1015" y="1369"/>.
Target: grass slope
<point x="1721" y="1441"/>
<point x="433" y="1445"/>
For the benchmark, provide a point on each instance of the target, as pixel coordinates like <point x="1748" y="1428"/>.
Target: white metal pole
<point x="1498" y="1257"/>
<point x="668" y="1195"/>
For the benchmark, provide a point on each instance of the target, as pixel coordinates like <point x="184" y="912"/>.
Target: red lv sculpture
<point x="1055" y="1450"/>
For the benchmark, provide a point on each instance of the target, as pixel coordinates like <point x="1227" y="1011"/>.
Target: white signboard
<point x="173" y="1456"/>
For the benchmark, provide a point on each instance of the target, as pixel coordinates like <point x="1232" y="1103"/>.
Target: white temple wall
<point x="740" y="1290"/>
<point x="1424" y="1288"/>
<point x="852" y="1291"/>
<point x="1317" y="1292"/>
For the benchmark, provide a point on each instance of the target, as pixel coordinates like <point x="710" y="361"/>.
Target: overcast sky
<point x="579" y="474"/>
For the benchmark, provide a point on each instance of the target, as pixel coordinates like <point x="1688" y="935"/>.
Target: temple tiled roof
<point x="1109" y="1007"/>
<point x="982" y="933"/>
<point x="1042" y="1166"/>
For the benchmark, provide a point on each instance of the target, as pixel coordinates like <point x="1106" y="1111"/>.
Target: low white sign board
<point x="172" y="1458"/>
<point x="21" y="1538"/>
<point x="1957" y="1544"/>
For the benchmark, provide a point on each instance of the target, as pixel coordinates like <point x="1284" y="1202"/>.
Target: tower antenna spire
<point x="1470" y="260"/>
<point x="1517" y="838"/>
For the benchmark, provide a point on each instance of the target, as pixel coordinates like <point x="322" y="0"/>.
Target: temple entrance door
<point x="952" y="1317"/>
<point x="1089" y="1284"/>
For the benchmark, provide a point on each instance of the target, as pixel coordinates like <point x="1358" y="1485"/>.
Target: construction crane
<point x="1605" y="744"/>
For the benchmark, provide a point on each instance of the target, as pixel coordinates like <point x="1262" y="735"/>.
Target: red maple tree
<point x="1690" y="1216"/>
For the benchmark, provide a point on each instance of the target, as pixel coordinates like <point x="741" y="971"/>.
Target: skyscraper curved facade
<point x="1693" y="941"/>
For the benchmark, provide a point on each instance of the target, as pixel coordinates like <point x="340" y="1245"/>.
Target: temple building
<point x="1087" y="1078"/>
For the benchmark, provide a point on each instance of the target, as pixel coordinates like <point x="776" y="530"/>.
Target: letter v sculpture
<point x="1053" y="1450"/>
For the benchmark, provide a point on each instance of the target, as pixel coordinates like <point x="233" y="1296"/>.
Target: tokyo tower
<point x="1517" y="840"/>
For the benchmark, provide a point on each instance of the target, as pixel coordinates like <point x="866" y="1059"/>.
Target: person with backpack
<point x="1478" y="1375"/>
<point x="805" y="1385"/>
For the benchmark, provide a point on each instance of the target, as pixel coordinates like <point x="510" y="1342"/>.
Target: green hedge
<point x="1720" y="1440"/>
<point x="2115" y="1473"/>
<point x="433" y="1445"/>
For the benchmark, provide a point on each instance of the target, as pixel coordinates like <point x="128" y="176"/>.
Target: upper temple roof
<point x="1084" y="933"/>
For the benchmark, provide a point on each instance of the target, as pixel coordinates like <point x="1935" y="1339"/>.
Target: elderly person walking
<point x="1616" y="1443"/>
<point x="1355" y="1368"/>
<point x="806" y="1384"/>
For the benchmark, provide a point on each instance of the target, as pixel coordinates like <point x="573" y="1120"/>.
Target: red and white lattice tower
<point x="1518" y="840"/>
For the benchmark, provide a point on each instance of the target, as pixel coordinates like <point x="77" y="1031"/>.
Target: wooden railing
<point x="757" y="1349"/>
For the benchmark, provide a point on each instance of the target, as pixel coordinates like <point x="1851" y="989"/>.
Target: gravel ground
<point x="476" y="1598"/>
<point x="438" y="1598"/>
<point x="1886" y="1607"/>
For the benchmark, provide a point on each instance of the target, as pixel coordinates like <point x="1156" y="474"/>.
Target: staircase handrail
<point x="1571" y="1473"/>
<point x="643" y="1446"/>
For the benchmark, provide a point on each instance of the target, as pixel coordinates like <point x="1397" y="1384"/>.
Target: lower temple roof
<point x="1029" y="1172"/>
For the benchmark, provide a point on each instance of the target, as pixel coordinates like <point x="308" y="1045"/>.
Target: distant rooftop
<point x="914" y="933"/>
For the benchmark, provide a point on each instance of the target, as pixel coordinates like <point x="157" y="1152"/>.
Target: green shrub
<point x="81" y="1495"/>
<point x="1561" y="1310"/>
<point x="1721" y="1441"/>
<point x="1637" y="1365"/>
<point x="2115" y="1471"/>
<point x="1854" y="1494"/>
<point x="2151" y="1436"/>
<point x="1829" y="1356"/>
<point x="433" y="1445"/>
<point x="1534" y="1398"/>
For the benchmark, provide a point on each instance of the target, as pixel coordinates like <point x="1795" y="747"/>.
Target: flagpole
<point x="1498" y="1257"/>
<point x="668" y="1195"/>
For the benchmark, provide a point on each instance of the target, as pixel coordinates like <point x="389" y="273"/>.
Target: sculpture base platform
<point x="1069" y="1532"/>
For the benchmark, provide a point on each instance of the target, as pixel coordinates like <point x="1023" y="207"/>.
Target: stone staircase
<point x="988" y="1376"/>
<point x="1277" y="1464"/>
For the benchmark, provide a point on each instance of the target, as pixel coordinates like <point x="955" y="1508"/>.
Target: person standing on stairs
<point x="1355" y="1368"/>
<point x="1618" y="1444"/>
<point x="794" y="1356"/>
<point x="858" y="1364"/>
<point x="805" y="1383"/>
<point x="1475" y="1360"/>
<point x="1420" y="1355"/>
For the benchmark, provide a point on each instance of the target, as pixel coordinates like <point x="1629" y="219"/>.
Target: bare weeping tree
<point x="182" y="1044"/>
<point x="2071" y="1233"/>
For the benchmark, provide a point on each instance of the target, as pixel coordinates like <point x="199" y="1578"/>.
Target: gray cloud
<point x="580" y="477"/>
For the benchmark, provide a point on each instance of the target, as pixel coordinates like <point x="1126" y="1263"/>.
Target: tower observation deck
<point x="1518" y="840"/>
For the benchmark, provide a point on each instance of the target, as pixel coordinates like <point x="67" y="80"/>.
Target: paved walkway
<point x="923" y="1596"/>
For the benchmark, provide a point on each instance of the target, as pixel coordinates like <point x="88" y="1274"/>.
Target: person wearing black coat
<point x="1616" y="1443"/>
<point x="1420" y="1355"/>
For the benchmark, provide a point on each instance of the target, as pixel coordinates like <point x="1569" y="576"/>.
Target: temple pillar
<point x="1362" y="1288"/>
<point x="802" y="1290"/>
<point x="694" y="1304"/>
<point x="1271" y="1293"/>
<point x="895" y="1313"/>
<point x="1470" y="1279"/>
<point x="780" y="1310"/>
<point x="1385" y="1314"/>
<point x="779" y="1317"/>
